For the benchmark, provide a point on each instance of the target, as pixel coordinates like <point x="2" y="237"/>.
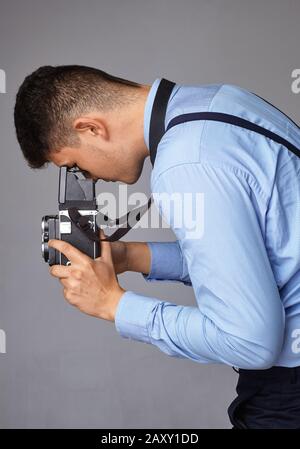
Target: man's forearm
<point x="157" y="261"/>
<point x="138" y="257"/>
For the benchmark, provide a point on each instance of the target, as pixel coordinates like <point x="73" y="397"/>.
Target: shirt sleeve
<point x="239" y="317"/>
<point x="167" y="263"/>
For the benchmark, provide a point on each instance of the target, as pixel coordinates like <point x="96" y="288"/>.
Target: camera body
<point x="76" y="219"/>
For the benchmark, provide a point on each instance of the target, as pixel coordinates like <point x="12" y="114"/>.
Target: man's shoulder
<point x="181" y="144"/>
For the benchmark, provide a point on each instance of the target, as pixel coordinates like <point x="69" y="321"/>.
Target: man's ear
<point x="92" y="126"/>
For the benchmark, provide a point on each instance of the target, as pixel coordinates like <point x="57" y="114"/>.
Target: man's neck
<point x="138" y="118"/>
<point x="129" y="124"/>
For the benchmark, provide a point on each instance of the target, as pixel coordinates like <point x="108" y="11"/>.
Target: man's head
<point x="77" y="115"/>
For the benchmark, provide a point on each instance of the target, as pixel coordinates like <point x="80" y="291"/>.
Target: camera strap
<point x="82" y="222"/>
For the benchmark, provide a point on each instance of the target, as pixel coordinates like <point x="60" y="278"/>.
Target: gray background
<point x="63" y="368"/>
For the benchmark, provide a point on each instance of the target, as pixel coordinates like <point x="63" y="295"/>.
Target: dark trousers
<point x="267" y="399"/>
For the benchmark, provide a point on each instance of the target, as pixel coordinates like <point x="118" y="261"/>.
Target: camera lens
<point x="45" y="226"/>
<point x="45" y="252"/>
<point x="49" y="231"/>
<point x="45" y="238"/>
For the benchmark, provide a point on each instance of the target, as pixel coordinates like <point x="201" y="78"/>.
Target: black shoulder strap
<point x="237" y="121"/>
<point x="157" y="122"/>
<point x="158" y="114"/>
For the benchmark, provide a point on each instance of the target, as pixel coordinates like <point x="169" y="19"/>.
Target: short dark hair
<point x="51" y="96"/>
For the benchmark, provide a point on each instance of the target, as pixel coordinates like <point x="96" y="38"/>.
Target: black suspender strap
<point x="157" y="128"/>
<point x="158" y="114"/>
<point x="234" y="120"/>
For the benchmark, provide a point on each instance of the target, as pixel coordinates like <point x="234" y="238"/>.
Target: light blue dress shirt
<point x="245" y="268"/>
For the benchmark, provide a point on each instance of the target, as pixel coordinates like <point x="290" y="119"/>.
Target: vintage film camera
<point x="76" y="219"/>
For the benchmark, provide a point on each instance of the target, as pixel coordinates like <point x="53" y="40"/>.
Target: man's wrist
<point x="113" y="302"/>
<point x="138" y="257"/>
<point x="130" y="250"/>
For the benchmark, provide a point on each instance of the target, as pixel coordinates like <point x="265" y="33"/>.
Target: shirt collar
<point x="148" y="110"/>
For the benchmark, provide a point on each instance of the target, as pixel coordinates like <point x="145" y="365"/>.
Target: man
<point x="244" y="268"/>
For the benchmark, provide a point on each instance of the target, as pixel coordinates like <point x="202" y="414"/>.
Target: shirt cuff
<point x="166" y="262"/>
<point x="132" y="314"/>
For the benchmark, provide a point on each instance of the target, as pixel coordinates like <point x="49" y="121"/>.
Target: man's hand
<point x="89" y="284"/>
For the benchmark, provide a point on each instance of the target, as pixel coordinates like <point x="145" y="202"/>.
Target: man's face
<point x="110" y="165"/>
<point x="110" y="147"/>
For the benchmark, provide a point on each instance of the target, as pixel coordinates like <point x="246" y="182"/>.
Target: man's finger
<point x="73" y="254"/>
<point x="105" y="248"/>
<point x="68" y="283"/>
<point x="60" y="271"/>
